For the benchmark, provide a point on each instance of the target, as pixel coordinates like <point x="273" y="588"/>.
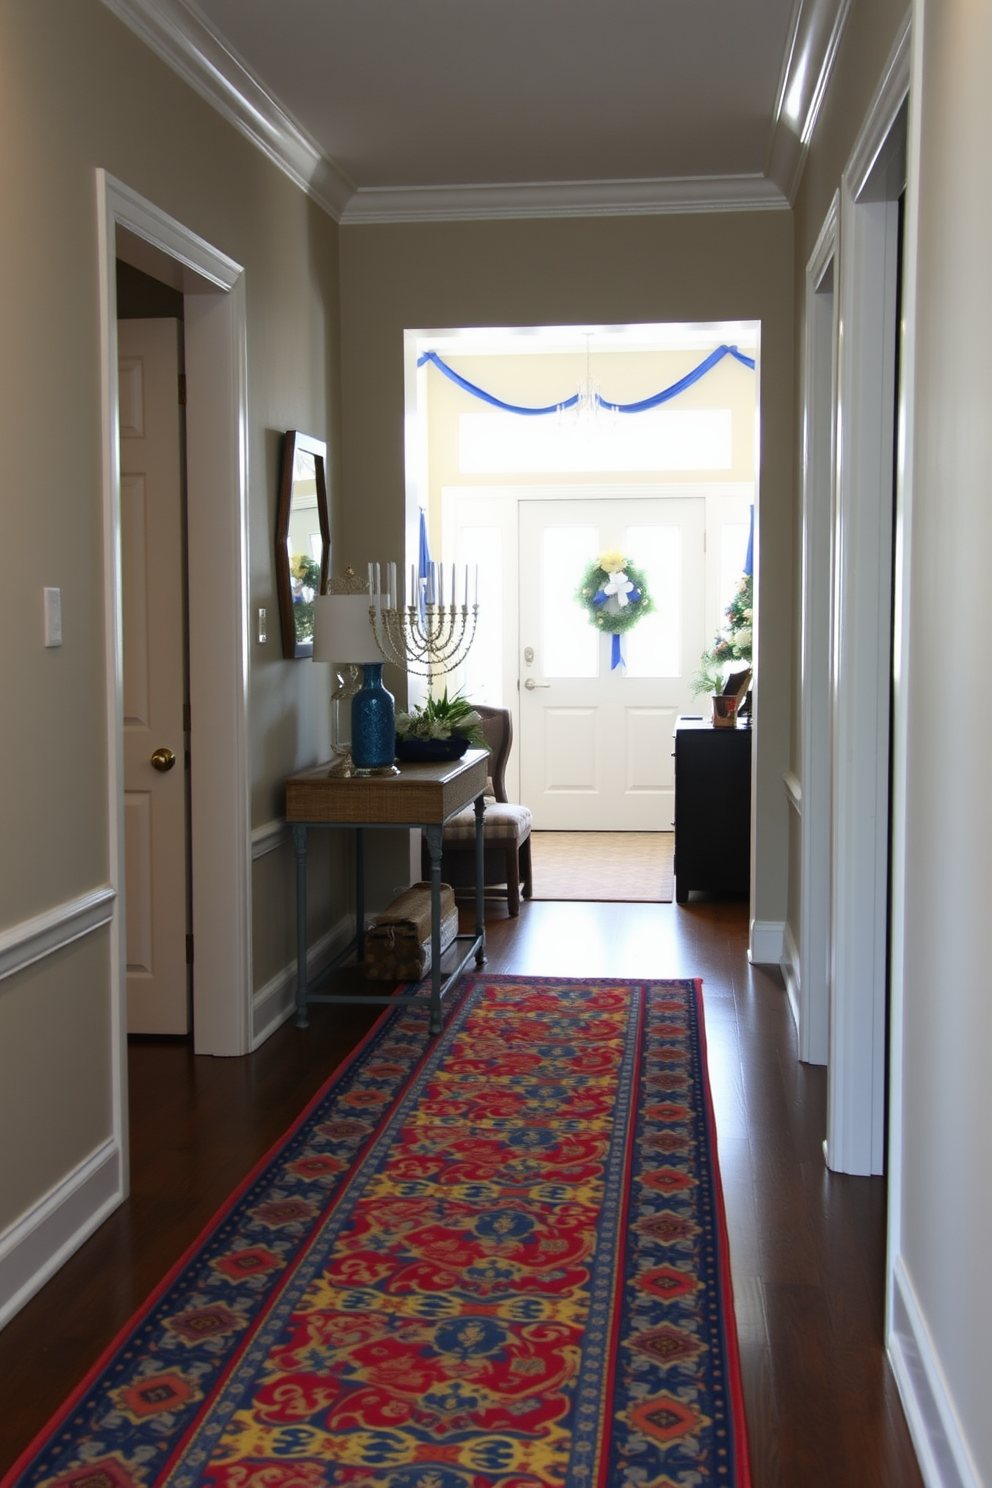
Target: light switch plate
<point x="53" y="617"/>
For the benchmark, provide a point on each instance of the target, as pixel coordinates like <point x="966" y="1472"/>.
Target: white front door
<point x="154" y="686"/>
<point x="596" y="742"/>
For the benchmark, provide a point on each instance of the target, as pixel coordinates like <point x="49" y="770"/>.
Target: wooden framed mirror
<point x="303" y="539"/>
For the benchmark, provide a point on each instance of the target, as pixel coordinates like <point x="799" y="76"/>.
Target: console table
<point x="424" y="796"/>
<point x="712" y="808"/>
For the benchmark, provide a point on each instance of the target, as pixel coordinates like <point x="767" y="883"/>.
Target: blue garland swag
<point x="641" y="406"/>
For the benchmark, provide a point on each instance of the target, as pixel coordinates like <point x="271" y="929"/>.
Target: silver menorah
<point x="428" y="636"/>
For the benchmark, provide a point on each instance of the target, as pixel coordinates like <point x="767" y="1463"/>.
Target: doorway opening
<point x="155" y="653"/>
<point x="533" y="500"/>
<point x="212" y="285"/>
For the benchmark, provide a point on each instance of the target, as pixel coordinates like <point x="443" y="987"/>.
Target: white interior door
<point x="596" y="743"/>
<point x="155" y="829"/>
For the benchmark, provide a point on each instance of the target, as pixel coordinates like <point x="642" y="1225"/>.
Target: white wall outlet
<point x="263" y="633"/>
<point x="53" y="617"/>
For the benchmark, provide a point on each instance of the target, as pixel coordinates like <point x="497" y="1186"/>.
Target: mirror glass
<point x="303" y="547"/>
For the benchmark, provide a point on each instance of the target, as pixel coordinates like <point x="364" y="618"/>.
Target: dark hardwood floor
<point x="807" y="1246"/>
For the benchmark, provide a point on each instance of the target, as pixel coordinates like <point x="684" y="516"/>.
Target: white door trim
<point x="215" y="334"/>
<point x="819" y="402"/>
<point x="902" y="568"/>
<point x="862" y="629"/>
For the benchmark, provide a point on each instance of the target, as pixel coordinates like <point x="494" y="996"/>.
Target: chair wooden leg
<point x="525" y="868"/>
<point x="512" y="880"/>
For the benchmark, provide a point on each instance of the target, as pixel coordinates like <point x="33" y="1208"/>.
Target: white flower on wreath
<point x="620" y="586"/>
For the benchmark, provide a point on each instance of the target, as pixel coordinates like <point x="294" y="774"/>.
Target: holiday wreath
<point x="615" y="596"/>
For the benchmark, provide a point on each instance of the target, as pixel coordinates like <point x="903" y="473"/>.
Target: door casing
<point x="216" y="427"/>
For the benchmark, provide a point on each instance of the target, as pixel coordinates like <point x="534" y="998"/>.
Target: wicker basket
<point x="398" y="942"/>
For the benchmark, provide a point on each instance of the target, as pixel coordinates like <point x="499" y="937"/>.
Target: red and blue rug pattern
<point x="495" y="1258"/>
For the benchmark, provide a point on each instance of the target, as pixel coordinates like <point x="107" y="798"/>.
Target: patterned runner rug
<point x="633" y="867"/>
<point x="495" y="1258"/>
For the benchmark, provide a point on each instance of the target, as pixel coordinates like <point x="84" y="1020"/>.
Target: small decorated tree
<point x="733" y="643"/>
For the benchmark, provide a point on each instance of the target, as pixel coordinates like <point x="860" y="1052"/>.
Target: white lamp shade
<point x="342" y="630"/>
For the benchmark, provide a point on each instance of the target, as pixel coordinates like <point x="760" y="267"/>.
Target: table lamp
<point x="342" y="632"/>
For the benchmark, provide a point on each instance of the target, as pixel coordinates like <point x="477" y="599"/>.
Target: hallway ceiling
<point x="400" y="110"/>
<point x="453" y="92"/>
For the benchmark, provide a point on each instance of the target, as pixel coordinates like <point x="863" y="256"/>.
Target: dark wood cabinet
<point x="712" y="808"/>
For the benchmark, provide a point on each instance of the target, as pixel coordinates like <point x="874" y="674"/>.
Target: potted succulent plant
<point x="442" y="728"/>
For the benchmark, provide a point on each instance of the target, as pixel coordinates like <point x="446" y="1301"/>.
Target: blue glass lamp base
<point x="373" y="723"/>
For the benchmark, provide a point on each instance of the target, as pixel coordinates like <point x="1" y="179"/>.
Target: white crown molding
<point x="641" y="198"/>
<point x="815" y="38"/>
<point x="182" y="38"/>
<point x="23" y="944"/>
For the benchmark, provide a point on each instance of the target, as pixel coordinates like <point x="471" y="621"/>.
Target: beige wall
<point x="941" y="1021"/>
<point x="946" y="1209"/>
<point x="78" y="91"/>
<point x="582" y="271"/>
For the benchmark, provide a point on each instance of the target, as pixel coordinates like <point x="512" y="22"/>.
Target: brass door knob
<point x="163" y="759"/>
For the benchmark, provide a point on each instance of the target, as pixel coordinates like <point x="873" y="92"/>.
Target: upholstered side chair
<point x="507" y="828"/>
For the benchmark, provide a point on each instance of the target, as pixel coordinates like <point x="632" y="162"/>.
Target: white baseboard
<point x="791" y="971"/>
<point x="767" y="943"/>
<point x="35" y="1246"/>
<point x="274" y="1003"/>
<point x="945" y="1460"/>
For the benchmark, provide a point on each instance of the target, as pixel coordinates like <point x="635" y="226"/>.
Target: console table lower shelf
<point x="424" y="796"/>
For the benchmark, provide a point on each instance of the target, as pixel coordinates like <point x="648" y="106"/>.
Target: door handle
<point x="163" y="759"/>
<point x="530" y="684"/>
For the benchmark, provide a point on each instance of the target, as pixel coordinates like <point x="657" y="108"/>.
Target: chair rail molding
<point x="268" y="837"/>
<point x="23" y="944"/>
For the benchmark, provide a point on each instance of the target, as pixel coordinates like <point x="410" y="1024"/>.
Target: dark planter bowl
<point x="422" y="751"/>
